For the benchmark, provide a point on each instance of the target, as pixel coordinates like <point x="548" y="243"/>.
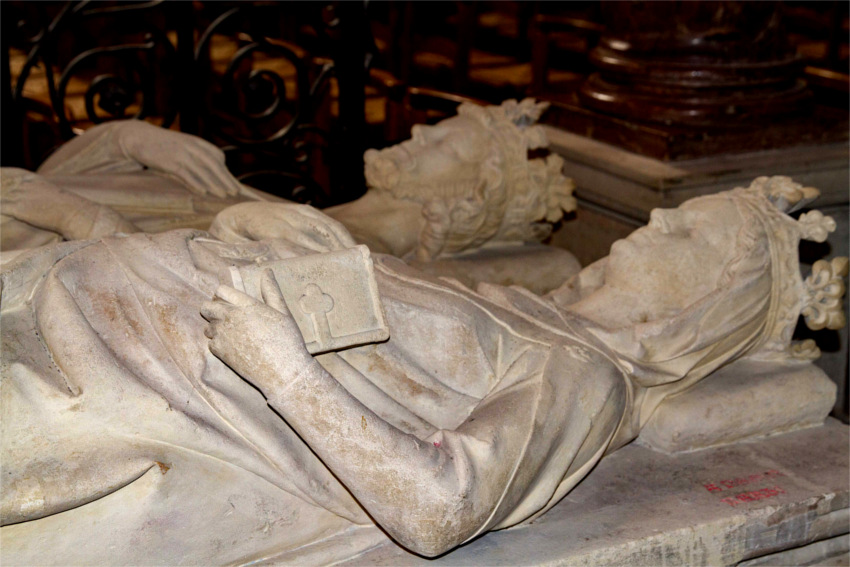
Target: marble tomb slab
<point x="717" y="506"/>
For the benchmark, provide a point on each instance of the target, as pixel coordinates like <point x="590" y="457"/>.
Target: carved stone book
<point x="333" y="297"/>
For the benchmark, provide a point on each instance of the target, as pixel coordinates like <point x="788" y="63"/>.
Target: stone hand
<point x="258" y="339"/>
<point x="301" y="225"/>
<point x="35" y="200"/>
<point x="196" y="163"/>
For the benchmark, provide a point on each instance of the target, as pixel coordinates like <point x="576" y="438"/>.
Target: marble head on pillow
<point x="714" y="280"/>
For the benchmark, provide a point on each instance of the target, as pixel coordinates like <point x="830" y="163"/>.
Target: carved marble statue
<point x="58" y="203"/>
<point x="465" y="183"/>
<point x="460" y="184"/>
<point x="144" y="422"/>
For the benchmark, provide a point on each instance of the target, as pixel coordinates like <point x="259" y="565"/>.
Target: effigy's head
<point x="720" y="277"/>
<point x="474" y="179"/>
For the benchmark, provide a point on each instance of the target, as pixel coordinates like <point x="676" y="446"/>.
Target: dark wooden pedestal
<point x="673" y="142"/>
<point x="685" y="80"/>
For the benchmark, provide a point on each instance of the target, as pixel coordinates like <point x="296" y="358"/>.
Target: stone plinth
<point x="631" y="185"/>
<point x="713" y="507"/>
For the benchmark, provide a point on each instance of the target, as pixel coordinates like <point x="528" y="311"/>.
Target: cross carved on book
<point x="317" y="304"/>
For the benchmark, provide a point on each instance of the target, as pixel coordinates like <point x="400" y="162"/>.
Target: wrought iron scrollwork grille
<point x="267" y="101"/>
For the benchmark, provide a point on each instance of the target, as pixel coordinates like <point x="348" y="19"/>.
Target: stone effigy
<point x="37" y="212"/>
<point x="144" y="423"/>
<point x="458" y="186"/>
<point x="122" y="176"/>
<point x="465" y="182"/>
<point x="462" y="199"/>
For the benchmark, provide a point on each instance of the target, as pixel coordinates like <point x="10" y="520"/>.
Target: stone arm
<point x="127" y="146"/>
<point x="300" y="225"/>
<point x="430" y="495"/>
<point x="32" y="199"/>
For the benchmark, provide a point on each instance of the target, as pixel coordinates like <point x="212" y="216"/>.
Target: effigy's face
<point x="678" y="257"/>
<point x="444" y="159"/>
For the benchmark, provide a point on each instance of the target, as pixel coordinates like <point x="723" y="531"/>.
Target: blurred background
<point x="241" y="73"/>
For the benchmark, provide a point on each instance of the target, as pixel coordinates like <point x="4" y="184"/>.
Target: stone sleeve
<point x="430" y="495"/>
<point x="32" y="199"/>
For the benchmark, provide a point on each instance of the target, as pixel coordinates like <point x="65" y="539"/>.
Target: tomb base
<point x="779" y="500"/>
<point x="678" y="140"/>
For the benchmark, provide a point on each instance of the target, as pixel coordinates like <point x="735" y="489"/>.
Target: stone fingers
<point x="272" y="295"/>
<point x="208" y="160"/>
<point x="214" y="312"/>
<point x="234" y="296"/>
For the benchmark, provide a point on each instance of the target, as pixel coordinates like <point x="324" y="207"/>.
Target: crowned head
<point x="715" y="279"/>
<point x="473" y="176"/>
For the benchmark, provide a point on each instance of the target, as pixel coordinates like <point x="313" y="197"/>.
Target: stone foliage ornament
<point x="152" y="415"/>
<point x="825" y="289"/>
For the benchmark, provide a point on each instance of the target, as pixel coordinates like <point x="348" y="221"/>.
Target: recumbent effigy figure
<point x="460" y="185"/>
<point x="460" y="199"/>
<point x="144" y="423"/>
<point x="467" y="182"/>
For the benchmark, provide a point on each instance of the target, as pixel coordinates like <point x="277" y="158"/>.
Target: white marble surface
<point x="641" y="507"/>
<point x="473" y="180"/>
<point x="537" y="267"/>
<point x="787" y="397"/>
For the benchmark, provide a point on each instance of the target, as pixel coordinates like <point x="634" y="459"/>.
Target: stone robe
<point x="126" y="441"/>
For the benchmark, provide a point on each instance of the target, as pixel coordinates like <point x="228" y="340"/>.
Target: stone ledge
<point x="718" y="506"/>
